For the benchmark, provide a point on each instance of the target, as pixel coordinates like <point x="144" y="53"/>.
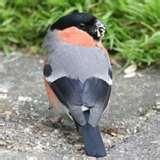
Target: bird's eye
<point x="101" y="29"/>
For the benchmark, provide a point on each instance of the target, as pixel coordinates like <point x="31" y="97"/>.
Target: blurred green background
<point x="133" y="25"/>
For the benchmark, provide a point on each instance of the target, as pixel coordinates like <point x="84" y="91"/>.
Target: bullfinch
<point x="78" y="75"/>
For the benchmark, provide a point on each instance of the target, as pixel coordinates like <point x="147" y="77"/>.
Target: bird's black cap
<point x="84" y="21"/>
<point x="74" y="19"/>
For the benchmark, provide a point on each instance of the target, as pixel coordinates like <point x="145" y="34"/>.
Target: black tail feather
<point x="93" y="142"/>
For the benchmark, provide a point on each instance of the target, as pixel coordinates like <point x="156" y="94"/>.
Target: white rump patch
<point x="84" y="108"/>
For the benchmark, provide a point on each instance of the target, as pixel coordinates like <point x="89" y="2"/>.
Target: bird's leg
<point x="52" y="117"/>
<point x="77" y="126"/>
<point x="55" y="120"/>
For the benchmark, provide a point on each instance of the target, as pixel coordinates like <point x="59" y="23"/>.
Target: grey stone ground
<point x="130" y="125"/>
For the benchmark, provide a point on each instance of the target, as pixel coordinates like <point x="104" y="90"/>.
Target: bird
<point x="78" y="75"/>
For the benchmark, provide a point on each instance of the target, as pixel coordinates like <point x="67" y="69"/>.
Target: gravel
<point x="130" y="126"/>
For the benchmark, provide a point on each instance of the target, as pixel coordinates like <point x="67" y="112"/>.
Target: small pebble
<point x="130" y="69"/>
<point x="3" y="96"/>
<point x="31" y="158"/>
<point x="41" y="61"/>
<point x="27" y="130"/>
<point x="130" y="75"/>
<point x="21" y="98"/>
<point x="3" y="89"/>
<point x="44" y="135"/>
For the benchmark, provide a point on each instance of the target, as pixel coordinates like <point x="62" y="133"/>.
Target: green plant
<point x="133" y="25"/>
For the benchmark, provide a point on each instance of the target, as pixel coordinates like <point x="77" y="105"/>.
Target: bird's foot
<point x="55" y="120"/>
